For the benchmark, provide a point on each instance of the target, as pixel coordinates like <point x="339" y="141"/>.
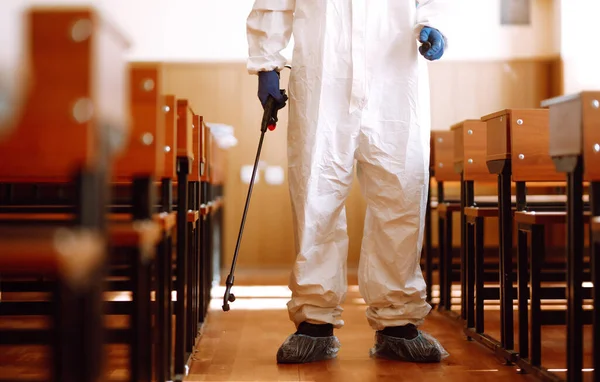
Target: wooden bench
<point x="149" y="113"/>
<point x="70" y="254"/>
<point x="469" y="162"/>
<point x="499" y="127"/>
<point x="574" y="147"/>
<point x="188" y="151"/>
<point x="442" y="169"/>
<point x="532" y="163"/>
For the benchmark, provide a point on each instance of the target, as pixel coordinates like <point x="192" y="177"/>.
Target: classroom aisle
<point x="240" y="345"/>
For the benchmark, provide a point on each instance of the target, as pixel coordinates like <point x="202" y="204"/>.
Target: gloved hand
<point x="436" y="41"/>
<point x="268" y="85"/>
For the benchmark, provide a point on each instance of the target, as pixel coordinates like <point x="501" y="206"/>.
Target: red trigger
<point x="272" y="127"/>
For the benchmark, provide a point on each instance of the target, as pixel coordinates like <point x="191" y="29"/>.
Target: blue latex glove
<point x="268" y="85"/>
<point x="436" y="49"/>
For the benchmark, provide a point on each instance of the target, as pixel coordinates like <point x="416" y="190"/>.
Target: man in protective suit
<point x="358" y="92"/>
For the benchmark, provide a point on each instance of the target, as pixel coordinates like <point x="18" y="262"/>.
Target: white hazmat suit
<point x="358" y="92"/>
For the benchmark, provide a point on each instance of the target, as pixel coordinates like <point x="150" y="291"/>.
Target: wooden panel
<point x="68" y="99"/>
<point x="459" y="147"/>
<point x="143" y="154"/>
<point x="591" y="135"/>
<point x="208" y="164"/>
<point x="475" y="146"/>
<point x="204" y="132"/>
<point x="565" y="125"/>
<point x="197" y="144"/>
<point x="443" y="148"/>
<point x="474" y="151"/>
<point x="530" y="141"/>
<point x="498" y="135"/>
<point x="169" y="111"/>
<point x="185" y="141"/>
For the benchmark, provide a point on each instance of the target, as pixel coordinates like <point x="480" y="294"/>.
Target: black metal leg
<point x="182" y="265"/>
<point x="143" y="198"/>
<point x="428" y="252"/>
<point x="500" y="258"/>
<point x="479" y="275"/>
<point x="141" y="349"/>
<point x="197" y="276"/>
<point x="575" y="273"/>
<point x="168" y="269"/>
<point x="467" y="197"/>
<point x="167" y="195"/>
<point x="522" y="258"/>
<point x="506" y="282"/>
<point x="442" y="259"/>
<point x="537" y="249"/>
<point x="204" y="255"/>
<point x="595" y="265"/>
<point x="78" y="333"/>
<point x="448" y="257"/>
<point x="88" y="196"/>
<point x="197" y="264"/>
<point x="209" y="254"/>
<point x="190" y="296"/>
<point x="595" y="247"/>
<point x="470" y="274"/>
<point x="463" y="246"/>
<point x="162" y="302"/>
<point x="191" y="227"/>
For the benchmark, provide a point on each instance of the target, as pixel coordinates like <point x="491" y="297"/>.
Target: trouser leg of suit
<point x="393" y="160"/>
<point x="321" y="161"/>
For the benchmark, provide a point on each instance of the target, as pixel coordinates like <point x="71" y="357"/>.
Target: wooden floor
<point x="240" y="345"/>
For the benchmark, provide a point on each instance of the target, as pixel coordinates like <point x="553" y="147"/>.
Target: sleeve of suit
<point x="269" y="30"/>
<point x="434" y="14"/>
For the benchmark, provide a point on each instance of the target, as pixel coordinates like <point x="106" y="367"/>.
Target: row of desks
<point x="519" y="151"/>
<point x="108" y="184"/>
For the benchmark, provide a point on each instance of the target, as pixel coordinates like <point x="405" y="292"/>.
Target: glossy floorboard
<point x="240" y="345"/>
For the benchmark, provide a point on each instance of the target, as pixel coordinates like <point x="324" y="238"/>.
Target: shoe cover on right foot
<point x="300" y="348"/>
<point x="423" y="348"/>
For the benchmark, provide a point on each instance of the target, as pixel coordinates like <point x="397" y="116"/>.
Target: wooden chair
<point x="574" y="147"/>
<point x="185" y="163"/>
<point x="442" y="170"/>
<point x="469" y="162"/>
<point x="208" y="209"/>
<point x="71" y="253"/>
<point x="138" y="234"/>
<point x="502" y="154"/>
<point x="217" y="171"/>
<point x="140" y="231"/>
<point x="532" y="164"/>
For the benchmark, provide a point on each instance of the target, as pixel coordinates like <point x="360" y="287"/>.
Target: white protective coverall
<point x="358" y="92"/>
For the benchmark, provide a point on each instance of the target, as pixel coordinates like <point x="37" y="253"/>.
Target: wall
<point x="476" y="34"/>
<point x="209" y="30"/>
<point x="581" y="58"/>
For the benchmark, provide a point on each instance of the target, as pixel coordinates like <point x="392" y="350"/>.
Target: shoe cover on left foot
<point x="300" y="348"/>
<point x="423" y="348"/>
